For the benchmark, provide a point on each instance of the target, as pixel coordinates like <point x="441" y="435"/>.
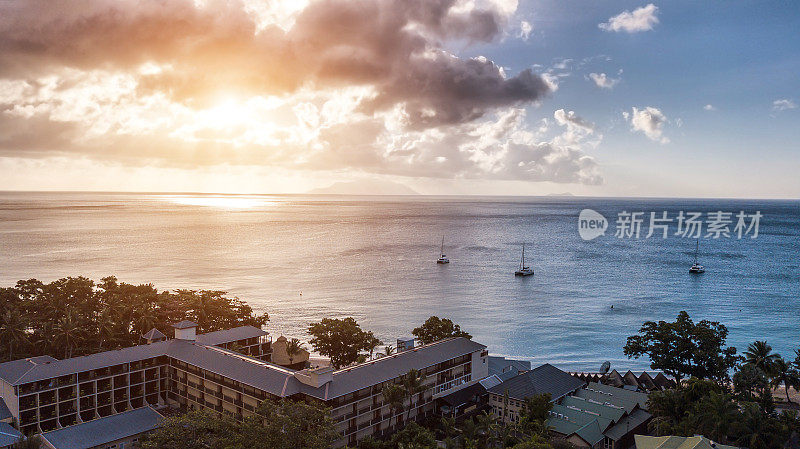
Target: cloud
<point x="525" y="29"/>
<point x="364" y="85"/>
<point x="392" y="45"/>
<point x="649" y="121"/>
<point x="783" y="105"/>
<point x="603" y="81"/>
<point x="641" y="19"/>
<point x="709" y="107"/>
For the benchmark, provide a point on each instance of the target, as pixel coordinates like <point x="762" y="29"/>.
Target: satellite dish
<point x="605" y="367"/>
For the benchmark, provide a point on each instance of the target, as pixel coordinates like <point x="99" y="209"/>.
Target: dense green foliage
<point x="482" y="431"/>
<point x="341" y="339"/>
<point x="76" y="316"/>
<point x="435" y="329"/>
<point x="739" y="412"/>
<point x="282" y="424"/>
<point x="684" y="349"/>
<point x="707" y="408"/>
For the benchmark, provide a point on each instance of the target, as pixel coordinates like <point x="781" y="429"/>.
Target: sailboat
<point x="442" y="258"/>
<point x="696" y="267"/>
<point x="524" y="270"/>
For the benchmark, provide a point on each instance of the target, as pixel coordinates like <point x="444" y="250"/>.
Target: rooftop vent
<point x="315" y="377"/>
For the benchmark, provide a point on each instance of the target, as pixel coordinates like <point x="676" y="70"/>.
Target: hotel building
<point x="45" y="395"/>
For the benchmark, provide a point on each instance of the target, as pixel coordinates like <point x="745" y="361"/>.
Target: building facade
<point x="200" y="372"/>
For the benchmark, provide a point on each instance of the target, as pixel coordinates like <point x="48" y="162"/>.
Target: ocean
<point x="301" y="258"/>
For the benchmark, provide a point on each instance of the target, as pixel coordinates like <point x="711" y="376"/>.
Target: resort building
<point x="45" y="395"/>
<point x="600" y="416"/>
<point x="500" y="365"/>
<point x="673" y="442"/>
<point x="593" y="416"/>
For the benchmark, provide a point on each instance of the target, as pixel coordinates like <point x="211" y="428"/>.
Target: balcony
<point x="67" y="408"/>
<point x="47" y="398"/>
<point x="66" y="393"/>
<point x="86" y="389"/>
<point x="47" y="413"/>
<point x="27" y="402"/>
<point x="28" y="417"/>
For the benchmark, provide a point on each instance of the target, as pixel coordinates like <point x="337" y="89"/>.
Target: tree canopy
<point x="341" y="339"/>
<point x="77" y="316"/>
<point x="283" y="424"/>
<point x="684" y="349"/>
<point x="435" y="329"/>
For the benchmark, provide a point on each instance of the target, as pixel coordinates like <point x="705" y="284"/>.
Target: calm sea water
<point x="301" y="258"/>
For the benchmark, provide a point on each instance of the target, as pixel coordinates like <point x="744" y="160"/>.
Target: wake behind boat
<point x="523" y="270"/>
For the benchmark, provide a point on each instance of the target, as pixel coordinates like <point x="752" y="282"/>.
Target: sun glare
<point x="219" y="202"/>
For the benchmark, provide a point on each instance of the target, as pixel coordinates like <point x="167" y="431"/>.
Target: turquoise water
<point x="301" y="258"/>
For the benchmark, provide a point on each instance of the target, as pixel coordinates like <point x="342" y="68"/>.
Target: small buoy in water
<point x="612" y="306"/>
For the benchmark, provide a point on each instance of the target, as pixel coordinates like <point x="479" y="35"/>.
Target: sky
<point x="488" y="97"/>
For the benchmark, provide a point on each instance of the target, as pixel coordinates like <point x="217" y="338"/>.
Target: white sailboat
<point x="696" y="267"/>
<point x="523" y="270"/>
<point x="442" y="258"/>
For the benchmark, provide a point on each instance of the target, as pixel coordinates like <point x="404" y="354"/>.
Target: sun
<point x="227" y="111"/>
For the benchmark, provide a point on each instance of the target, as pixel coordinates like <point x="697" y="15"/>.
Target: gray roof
<point x="464" y="395"/>
<point x="74" y="365"/>
<point x="543" y="379"/>
<point x="620" y="393"/>
<point x="265" y="376"/>
<point x="5" y="413"/>
<point x="8" y="435"/>
<point x="628" y="424"/>
<point x="499" y="365"/>
<point x="185" y="324"/>
<point x="230" y="335"/>
<point x="352" y="379"/>
<point x="13" y="370"/>
<point x="154" y="334"/>
<point x="105" y="430"/>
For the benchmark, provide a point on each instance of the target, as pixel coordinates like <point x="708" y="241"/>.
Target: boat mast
<point x="696" y="248"/>
<point x="442" y="251"/>
<point x="522" y="264"/>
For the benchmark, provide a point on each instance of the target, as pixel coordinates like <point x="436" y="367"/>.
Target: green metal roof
<point x="675" y="442"/>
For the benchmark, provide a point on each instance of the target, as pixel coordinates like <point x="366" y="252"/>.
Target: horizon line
<point x="452" y="195"/>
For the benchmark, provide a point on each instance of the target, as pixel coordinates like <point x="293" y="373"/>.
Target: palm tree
<point x="717" y="413"/>
<point x="371" y="342"/>
<point x="753" y="428"/>
<point x="388" y="350"/>
<point x="13" y="331"/>
<point x="394" y="395"/>
<point x="68" y="333"/>
<point x="105" y="328"/>
<point x="797" y="358"/>
<point x="412" y="382"/>
<point x="760" y="355"/>
<point x="33" y="442"/>
<point x="784" y="373"/>
<point x="294" y="348"/>
<point x="487" y="427"/>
